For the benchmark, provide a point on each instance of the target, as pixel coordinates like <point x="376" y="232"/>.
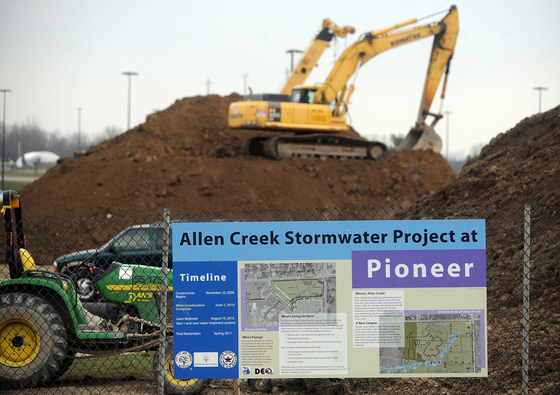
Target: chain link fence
<point x="106" y="337"/>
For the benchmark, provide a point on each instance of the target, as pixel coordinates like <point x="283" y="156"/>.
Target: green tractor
<point x="44" y="325"/>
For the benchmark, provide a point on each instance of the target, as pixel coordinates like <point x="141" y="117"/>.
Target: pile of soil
<point x="186" y="158"/>
<point x="518" y="167"/>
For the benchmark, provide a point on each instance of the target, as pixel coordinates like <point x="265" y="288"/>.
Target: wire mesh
<point x="119" y="349"/>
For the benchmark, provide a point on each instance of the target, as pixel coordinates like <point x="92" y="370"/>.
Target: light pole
<point x="447" y="135"/>
<point x="540" y="89"/>
<point x="244" y="83"/>
<point x="4" y="134"/>
<point x="79" y="125"/>
<point x="130" y="74"/>
<point x="291" y="52"/>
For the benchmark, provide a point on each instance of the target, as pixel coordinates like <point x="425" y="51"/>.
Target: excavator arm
<point x="442" y="52"/>
<point x="378" y="41"/>
<point x="423" y="136"/>
<point x="313" y="52"/>
<point x="445" y="33"/>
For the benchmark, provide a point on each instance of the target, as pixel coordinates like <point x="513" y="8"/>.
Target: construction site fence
<point x="523" y="308"/>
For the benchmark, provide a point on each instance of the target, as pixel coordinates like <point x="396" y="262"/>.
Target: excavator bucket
<point x="421" y="138"/>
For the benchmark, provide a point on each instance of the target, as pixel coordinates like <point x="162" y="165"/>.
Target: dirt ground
<point x="519" y="166"/>
<point x="187" y="159"/>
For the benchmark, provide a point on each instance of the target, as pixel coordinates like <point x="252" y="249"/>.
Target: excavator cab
<point x="303" y="95"/>
<point x="306" y="95"/>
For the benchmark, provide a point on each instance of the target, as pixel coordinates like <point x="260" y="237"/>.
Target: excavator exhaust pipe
<point x="421" y="138"/>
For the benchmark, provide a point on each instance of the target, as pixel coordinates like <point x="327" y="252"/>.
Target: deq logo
<point x="246" y="370"/>
<point x="263" y="371"/>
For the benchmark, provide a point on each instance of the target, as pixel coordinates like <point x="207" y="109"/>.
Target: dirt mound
<point x="187" y="159"/>
<point x="517" y="167"/>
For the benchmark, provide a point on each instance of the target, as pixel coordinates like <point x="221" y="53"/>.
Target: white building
<point x="37" y="160"/>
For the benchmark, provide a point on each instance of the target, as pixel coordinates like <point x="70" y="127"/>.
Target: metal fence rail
<point x="118" y="350"/>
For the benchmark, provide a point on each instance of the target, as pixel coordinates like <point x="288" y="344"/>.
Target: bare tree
<point x="29" y="136"/>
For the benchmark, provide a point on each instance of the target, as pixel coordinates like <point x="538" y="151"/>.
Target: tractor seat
<point x="27" y="260"/>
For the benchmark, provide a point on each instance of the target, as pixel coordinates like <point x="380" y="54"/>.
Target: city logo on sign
<point x="183" y="359"/>
<point x="228" y="359"/>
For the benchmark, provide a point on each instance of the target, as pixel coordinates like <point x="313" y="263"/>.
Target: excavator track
<point x="315" y="146"/>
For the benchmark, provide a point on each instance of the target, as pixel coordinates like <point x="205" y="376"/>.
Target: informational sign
<point x="330" y="299"/>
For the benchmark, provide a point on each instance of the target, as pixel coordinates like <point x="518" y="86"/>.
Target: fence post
<point x="163" y="303"/>
<point x="526" y="295"/>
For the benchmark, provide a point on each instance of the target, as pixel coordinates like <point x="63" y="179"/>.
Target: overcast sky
<point x="60" y="55"/>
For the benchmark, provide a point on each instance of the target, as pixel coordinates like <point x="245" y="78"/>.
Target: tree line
<point x="23" y="138"/>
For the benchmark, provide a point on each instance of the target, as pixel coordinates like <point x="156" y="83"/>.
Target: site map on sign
<point x="279" y="288"/>
<point x="436" y="343"/>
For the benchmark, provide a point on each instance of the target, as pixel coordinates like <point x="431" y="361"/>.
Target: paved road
<point x="20" y="179"/>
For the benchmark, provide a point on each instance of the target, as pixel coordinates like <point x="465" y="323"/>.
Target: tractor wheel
<point x="33" y="342"/>
<point x="171" y="385"/>
<point x="68" y="360"/>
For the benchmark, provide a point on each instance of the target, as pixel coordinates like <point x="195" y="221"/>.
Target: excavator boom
<point x="311" y="56"/>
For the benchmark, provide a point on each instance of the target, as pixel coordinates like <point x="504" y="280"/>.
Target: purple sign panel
<point x="419" y="268"/>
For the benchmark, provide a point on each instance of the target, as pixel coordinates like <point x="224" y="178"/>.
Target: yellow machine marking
<point x="137" y="287"/>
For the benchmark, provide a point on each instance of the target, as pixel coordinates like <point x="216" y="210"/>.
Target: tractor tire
<point x="171" y="385"/>
<point x="68" y="360"/>
<point x="33" y="341"/>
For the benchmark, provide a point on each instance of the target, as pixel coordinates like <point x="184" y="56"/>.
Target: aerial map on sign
<point x="276" y="288"/>
<point x="436" y="343"/>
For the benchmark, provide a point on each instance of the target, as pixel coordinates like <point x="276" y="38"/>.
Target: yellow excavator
<point x="316" y="114"/>
<point x="313" y="52"/>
